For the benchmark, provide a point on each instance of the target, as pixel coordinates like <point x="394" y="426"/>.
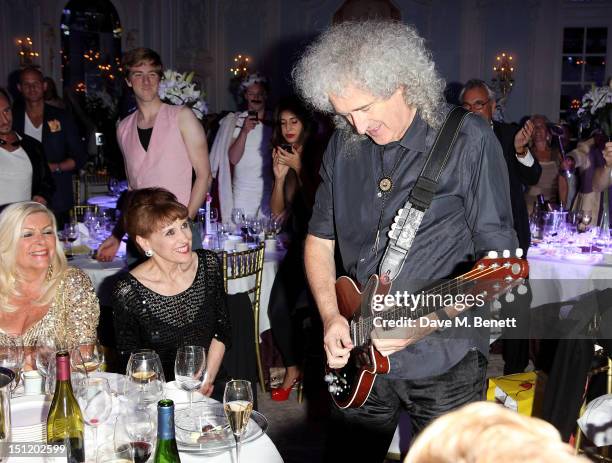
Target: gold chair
<point x="76" y="188"/>
<point x="603" y="453"/>
<point x="77" y="212"/>
<point x="241" y="265"/>
<point x="95" y="185"/>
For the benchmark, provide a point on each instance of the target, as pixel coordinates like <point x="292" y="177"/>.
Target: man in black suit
<point x="523" y="170"/>
<point x="56" y="130"/>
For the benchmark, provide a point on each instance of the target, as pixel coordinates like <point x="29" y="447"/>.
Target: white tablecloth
<point x="103" y="201"/>
<point x="261" y="449"/>
<point x="563" y="278"/>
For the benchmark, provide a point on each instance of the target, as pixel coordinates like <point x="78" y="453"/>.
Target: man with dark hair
<point x="523" y="170"/>
<point x="56" y="130"/>
<point x="162" y="144"/>
<point x="24" y="173"/>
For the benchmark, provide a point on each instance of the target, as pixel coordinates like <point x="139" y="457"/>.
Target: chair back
<point x="76" y="188"/>
<point x="95" y="185"/>
<point x="248" y="264"/>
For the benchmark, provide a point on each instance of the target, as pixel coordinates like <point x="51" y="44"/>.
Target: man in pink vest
<point x="161" y="144"/>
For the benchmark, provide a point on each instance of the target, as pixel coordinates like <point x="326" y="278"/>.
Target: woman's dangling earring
<point x="149" y="253"/>
<point x="49" y="272"/>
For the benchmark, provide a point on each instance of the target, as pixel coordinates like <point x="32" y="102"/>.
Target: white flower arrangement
<point x="178" y="89"/>
<point x="597" y="108"/>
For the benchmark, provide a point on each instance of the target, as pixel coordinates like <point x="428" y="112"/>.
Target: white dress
<point x="253" y="177"/>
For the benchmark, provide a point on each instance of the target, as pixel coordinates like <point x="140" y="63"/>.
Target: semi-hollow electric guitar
<point x="350" y="386"/>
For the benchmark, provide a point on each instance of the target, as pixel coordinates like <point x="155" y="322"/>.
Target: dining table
<point x="30" y="411"/>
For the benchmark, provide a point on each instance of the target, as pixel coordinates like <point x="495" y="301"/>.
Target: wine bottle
<point x="166" y="451"/>
<point x="65" y="424"/>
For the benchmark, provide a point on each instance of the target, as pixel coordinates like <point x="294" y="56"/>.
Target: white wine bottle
<point x="65" y="425"/>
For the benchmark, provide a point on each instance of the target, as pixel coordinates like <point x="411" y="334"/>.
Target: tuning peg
<point x="492" y="255"/>
<point x="496" y="304"/>
<point x="519" y="252"/>
<point x="522" y="290"/>
<point x="506" y="254"/>
<point x="509" y="298"/>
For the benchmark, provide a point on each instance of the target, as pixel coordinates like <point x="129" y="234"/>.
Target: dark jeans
<point x="365" y="433"/>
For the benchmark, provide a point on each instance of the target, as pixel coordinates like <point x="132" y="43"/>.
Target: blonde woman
<point x="485" y="432"/>
<point x="40" y="296"/>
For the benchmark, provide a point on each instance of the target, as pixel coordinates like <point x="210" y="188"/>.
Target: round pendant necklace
<point x="385" y="183"/>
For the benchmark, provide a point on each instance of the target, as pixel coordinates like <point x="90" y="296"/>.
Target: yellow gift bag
<point x="520" y="392"/>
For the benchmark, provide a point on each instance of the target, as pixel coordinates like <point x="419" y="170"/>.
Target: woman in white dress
<point x="249" y="151"/>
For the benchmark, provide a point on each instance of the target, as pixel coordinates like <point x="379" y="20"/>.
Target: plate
<point x="219" y="440"/>
<point x="29" y="411"/>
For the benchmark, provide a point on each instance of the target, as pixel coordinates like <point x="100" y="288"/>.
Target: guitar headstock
<point x="495" y="275"/>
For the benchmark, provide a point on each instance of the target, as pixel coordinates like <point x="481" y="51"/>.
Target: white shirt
<point x="29" y="129"/>
<point x="15" y="176"/>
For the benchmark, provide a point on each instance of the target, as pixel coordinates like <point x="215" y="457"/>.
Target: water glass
<point x="96" y="402"/>
<point x="190" y="369"/>
<point x="237" y="218"/>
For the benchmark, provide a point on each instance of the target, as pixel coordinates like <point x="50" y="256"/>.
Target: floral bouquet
<point x="178" y="89"/>
<point x="596" y="109"/>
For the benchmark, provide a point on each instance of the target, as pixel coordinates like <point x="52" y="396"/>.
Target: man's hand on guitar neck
<point x="337" y="341"/>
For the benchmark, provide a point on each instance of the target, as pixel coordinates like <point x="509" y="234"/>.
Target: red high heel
<point x="280" y="394"/>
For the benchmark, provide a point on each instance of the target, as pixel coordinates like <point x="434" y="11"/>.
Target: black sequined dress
<point x="144" y="319"/>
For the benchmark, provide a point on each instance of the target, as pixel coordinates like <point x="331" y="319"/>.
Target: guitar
<point x="350" y="385"/>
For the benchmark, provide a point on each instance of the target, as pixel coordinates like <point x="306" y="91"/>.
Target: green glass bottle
<point x="166" y="451"/>
<point x="65" y="424"/>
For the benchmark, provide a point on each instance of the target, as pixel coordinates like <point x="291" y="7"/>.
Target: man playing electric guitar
<point x="380" y="82"/>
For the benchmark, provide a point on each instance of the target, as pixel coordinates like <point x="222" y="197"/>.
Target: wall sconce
<point x="503" y="79"/>
<point x="25" y="52"/>
<point x="241" y="66"/>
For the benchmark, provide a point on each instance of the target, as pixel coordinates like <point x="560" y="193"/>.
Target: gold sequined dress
<point x="72" y="316"/>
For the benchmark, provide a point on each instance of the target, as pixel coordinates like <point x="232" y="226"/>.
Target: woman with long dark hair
<point x="296" y="161"/>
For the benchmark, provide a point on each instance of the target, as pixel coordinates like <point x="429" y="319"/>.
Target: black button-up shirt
<point x="470" y="214"/>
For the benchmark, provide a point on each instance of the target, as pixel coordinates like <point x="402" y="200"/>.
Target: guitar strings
<point x="462" y="280"/>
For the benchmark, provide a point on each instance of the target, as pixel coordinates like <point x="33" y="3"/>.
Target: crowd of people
<point x="336" y="197"/>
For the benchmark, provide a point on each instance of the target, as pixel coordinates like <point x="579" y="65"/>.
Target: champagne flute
<point x="238" y="404"/>
<point x="45" y="359"/>
<point x="96" y="402"/>
<point x="135" y="429"/>
<point x="145" y="376"/>
<point x="190" y="369"/>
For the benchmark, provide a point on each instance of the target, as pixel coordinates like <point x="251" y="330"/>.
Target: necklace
<point x="385" y="185"/>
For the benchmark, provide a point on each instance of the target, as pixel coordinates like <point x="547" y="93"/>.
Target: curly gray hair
<point x="378" y="57"/>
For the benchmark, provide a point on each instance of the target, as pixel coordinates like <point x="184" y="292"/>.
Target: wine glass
<point x="11" y="357"/>
<point x="145" y="377"/>
<point x="71" y="233"/>
<point x="96" y="402"/>
<point x="238" y="404"/>
<point x="45" y="359"/>
<point x="135" y="429"/>
<point x="254" y="228"/>
<point x="86" y="357"/>
<point x="237" y="217"/>
<point x="190" y="369"/>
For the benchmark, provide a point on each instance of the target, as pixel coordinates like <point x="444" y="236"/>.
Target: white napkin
<point x="595" y="423"/>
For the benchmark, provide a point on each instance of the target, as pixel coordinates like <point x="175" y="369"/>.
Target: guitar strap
<point x="408" y="219"/>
